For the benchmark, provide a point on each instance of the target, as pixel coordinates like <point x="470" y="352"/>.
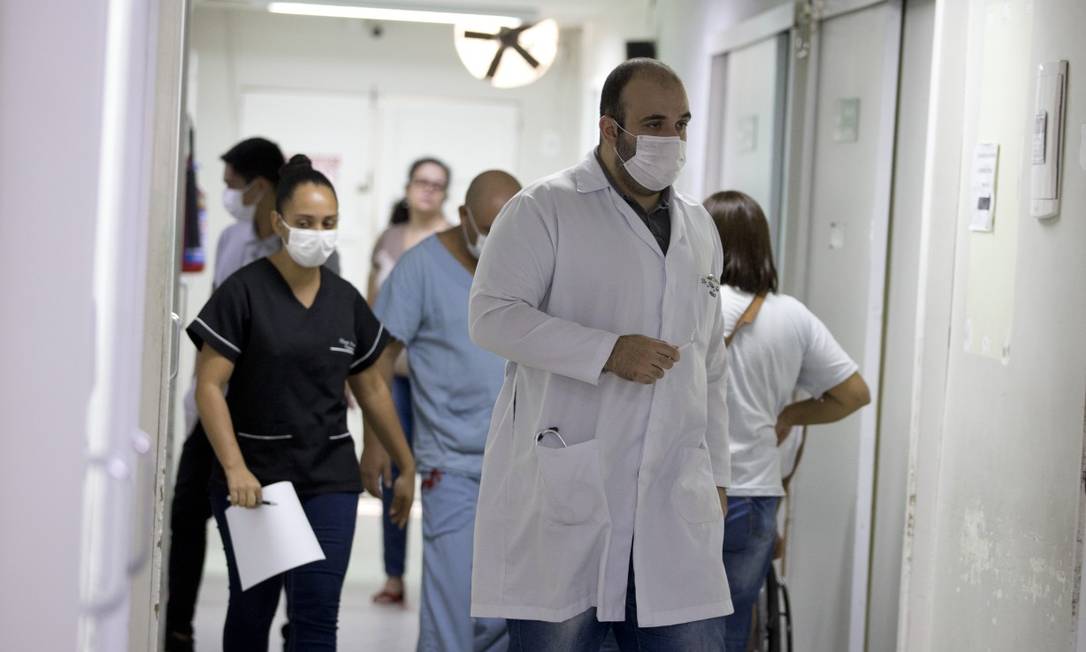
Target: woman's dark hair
<point x="297" y="171"/>
<point x="744" y="232"/>
<point x="400" y="212"/>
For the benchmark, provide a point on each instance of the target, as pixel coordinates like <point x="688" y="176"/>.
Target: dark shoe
<point x="176" y="642"/>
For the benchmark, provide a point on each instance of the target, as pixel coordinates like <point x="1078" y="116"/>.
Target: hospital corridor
<point x="543" y="325"/>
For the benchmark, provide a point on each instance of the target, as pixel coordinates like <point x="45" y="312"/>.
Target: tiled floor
<point x="363" y="626"/>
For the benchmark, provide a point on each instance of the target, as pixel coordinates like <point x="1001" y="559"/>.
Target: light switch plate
<point x="1047" y="139"/>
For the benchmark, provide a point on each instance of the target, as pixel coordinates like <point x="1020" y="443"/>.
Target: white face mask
<point x="657" y="161"/>
<point x="474" y="248"/>
<point x="310" y="247"/>
<point x="233" y="200"/>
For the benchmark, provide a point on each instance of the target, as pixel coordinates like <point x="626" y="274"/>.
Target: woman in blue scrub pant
<point x="775" y="346"/>
<point x="286" y="335"/>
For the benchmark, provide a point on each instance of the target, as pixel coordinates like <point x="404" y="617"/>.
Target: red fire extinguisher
<point x="192" y="255"/>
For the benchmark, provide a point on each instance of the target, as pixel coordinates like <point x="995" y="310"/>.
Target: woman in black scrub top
<point x="286" y="334"/>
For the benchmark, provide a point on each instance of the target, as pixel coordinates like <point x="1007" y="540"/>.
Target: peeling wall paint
<point x="995" y="547"/>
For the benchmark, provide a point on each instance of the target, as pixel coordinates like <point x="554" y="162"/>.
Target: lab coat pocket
<point x="694" y="494"/>
<point x="572" y="485"/>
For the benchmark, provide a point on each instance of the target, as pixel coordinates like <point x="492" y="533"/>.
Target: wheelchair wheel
<point x="778" y="617"/>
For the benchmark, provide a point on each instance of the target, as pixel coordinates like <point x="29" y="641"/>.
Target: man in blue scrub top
<point x="424" y="306"/>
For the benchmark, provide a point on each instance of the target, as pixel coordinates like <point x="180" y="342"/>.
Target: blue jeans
<point x="583" y="633"/>
<point x="312" y="590"/>
<point x="749" y="534"/>
<point x="395" y="539"/>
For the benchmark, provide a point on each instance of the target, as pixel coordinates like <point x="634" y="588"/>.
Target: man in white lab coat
<point x="602" y="496"/>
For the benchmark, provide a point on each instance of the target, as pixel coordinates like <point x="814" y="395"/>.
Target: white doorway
<point x="333" y="129"/>
<point x="854" y="61"/>
<point x="406" y="133"/>
<point x="750" y="88"/>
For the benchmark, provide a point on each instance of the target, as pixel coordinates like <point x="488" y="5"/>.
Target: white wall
<point x="603" y="46"/>
<point x="48" y="180"/>
<point x="997" y="447"/>
<point x="75" y="125"/>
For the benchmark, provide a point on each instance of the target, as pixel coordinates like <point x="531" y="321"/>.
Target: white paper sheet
<point x="271" y="539"/>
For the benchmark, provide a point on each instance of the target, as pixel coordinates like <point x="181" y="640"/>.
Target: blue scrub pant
<point x="313" y="590"/>
<point x="395" y="539"/>
<point x="749" y="534"/>
<point x="448" y="530"/>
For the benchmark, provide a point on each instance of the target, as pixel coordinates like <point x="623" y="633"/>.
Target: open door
<point x="804" y="107"/>
<point x="852" y="99"/>
<point x="748" y="98"/>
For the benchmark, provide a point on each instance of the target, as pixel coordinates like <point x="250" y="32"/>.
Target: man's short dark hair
<point x="256" y="157"/>
<point x="611" y="96"/>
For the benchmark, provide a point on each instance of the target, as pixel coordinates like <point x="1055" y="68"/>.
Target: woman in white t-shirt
<point x="775" y="347"/>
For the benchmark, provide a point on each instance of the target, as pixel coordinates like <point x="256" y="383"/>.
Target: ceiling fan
<point x="514" y="56"/>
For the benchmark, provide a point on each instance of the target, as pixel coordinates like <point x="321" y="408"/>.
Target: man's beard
<point x="626" y="150"/>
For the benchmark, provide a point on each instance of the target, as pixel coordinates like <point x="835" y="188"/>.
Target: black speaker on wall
<point x="635" y="49"/>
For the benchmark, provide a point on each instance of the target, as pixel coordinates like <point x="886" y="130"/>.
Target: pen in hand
<point x="263" y="502"/>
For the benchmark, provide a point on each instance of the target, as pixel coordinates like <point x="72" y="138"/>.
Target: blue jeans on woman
<point x="583" y="633"/>
<point x="395" y="537"/>
<point x="312" y="590"/>
<point x="749" y="534"/>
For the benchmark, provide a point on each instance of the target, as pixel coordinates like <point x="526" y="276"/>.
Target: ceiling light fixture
<point x="388" y="14"/>
<point x="508" y="57"/>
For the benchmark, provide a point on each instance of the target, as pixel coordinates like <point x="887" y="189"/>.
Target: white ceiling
<point x="566" y="12"/>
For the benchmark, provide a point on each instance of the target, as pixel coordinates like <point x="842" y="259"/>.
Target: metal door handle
<point x="175" y="346"/>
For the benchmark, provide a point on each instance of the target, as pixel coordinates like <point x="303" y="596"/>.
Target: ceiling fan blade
<point x="532" y="61"/>
<point x="521" y="28"/>
<point x="494" y="64"/>
<point x="481" y="35"/>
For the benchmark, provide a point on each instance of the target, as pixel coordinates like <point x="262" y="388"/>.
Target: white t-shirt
<point x="786" y="348"/>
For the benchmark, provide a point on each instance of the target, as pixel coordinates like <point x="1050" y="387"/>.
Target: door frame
<point x="773" y="23"/>
<point x="803" y="20"/>
<point x="162" y="323"/>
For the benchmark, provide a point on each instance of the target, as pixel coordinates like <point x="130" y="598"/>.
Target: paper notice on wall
<point x="999" y="74"/>
<point x="983" y="189"/>
<point x="272" y="538"/>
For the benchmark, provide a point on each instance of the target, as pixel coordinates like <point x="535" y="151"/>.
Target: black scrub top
<point x="286" y="394"/>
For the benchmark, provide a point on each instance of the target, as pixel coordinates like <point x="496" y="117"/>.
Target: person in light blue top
<point x="424" y="307"/>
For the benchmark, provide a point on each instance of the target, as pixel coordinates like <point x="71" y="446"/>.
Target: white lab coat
<point x="569" y="267"/>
